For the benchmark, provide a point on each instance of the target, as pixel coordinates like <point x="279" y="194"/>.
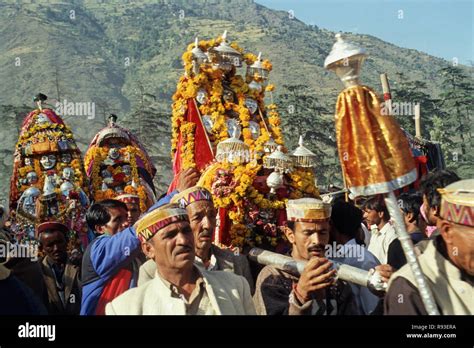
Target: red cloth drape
<point x="115" y="287"/>
<point x="202" y="153"/>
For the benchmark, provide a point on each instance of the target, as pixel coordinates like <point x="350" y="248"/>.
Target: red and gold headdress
<point x="127" y="198"/>
<point x="117" y="164"/>
<point x="48" y="181"/>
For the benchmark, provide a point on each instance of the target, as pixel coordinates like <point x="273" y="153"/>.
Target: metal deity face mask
<point x="48" y="162"/>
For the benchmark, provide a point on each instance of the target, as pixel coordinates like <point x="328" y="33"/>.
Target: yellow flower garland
<point x="38" y="131"/>
<point x="210" y="79"/>
<point x="302" y="182"/>
<point x="98" y="155"/>
<point x="187" y="150"/>
<point x="245" y="175"/>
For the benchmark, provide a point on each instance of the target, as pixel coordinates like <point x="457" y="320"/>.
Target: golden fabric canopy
<point x="374" y="152"/>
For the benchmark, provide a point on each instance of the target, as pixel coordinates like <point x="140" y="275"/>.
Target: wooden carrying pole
<point x="417" y="121"/>
<point x="387" y="96"/>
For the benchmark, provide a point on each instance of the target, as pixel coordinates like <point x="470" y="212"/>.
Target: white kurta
<point x="228" y="294"/>
<point x="380" y="241"/>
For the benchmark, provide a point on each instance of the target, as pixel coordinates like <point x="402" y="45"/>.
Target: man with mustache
<point x="111" y="261"/>
<point x="179" y="286"/>
<point x="432" y="200"/>
<point x="315" y="292"/>
<point x="202" y="215"/>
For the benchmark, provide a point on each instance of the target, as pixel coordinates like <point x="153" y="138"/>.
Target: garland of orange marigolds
<point x="224" y="99"/>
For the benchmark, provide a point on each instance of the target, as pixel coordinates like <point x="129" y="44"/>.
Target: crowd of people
<point x="164" y="261"/>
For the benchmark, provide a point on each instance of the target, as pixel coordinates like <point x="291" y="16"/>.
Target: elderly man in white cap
<point x="315" y="292"/>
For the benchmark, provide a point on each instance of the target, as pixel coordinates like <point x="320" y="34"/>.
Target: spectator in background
<point x="447" y="263"/>
<point x="61" y="275"/>
<point x="345" y="223"/>
<point x="133" y="207"/>
<point x="382" y="232"/>
<point x="431" y="197"/>
<point x="108" y="267"/>
<point x="410" y="205"/>
<point x="16" y="298"/>
<point x="25" y="269"/>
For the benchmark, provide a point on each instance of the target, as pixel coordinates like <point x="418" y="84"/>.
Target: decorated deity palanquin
<point x="116" y="163"/>
<point x="222" y="127"/>
<point x="48" y="181"/>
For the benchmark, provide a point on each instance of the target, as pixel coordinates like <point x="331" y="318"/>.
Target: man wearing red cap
<point x="133" y="207"/>
<point x="61" y="276"/>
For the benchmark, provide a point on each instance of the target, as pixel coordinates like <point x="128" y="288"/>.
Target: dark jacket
<point x="396" y="256"/>
<point x="16" y="298"/>
<point x="72" y="289"/>
<point x="274" y="287"/>
<point x="24" y="269"/>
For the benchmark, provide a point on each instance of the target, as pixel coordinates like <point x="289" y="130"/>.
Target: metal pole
<point x="407" y="245"/>
<point x="402" y="234"/>
<point x="345" y="272"/>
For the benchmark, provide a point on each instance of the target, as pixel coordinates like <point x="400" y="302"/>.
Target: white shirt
<point x="212" y="263"/>
<point x="380" y="241"/>
<point x="358" y="256"/>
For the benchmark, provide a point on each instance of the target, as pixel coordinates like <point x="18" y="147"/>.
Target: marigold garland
<point x="210" y="80"/>
<point x="242" y="193"/>
<point x="302" y="182"/>
<point x="41" y="132"/>
<point x="129" y="153"/>
<point x="187" y="150"/>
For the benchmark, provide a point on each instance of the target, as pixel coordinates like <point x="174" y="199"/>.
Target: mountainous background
<point x="126" y="58"/>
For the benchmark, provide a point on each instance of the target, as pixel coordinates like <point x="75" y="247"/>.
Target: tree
<point x="303" y="114"/>
<point x="411" y="92"/>
<point x="440" y="133"/>
<point x="457" y="99"/>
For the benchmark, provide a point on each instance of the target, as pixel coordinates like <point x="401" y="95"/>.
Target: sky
<point x="442" y="28"/>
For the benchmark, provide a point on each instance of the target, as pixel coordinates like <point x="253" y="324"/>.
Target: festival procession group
<point x="243" y="228"/>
